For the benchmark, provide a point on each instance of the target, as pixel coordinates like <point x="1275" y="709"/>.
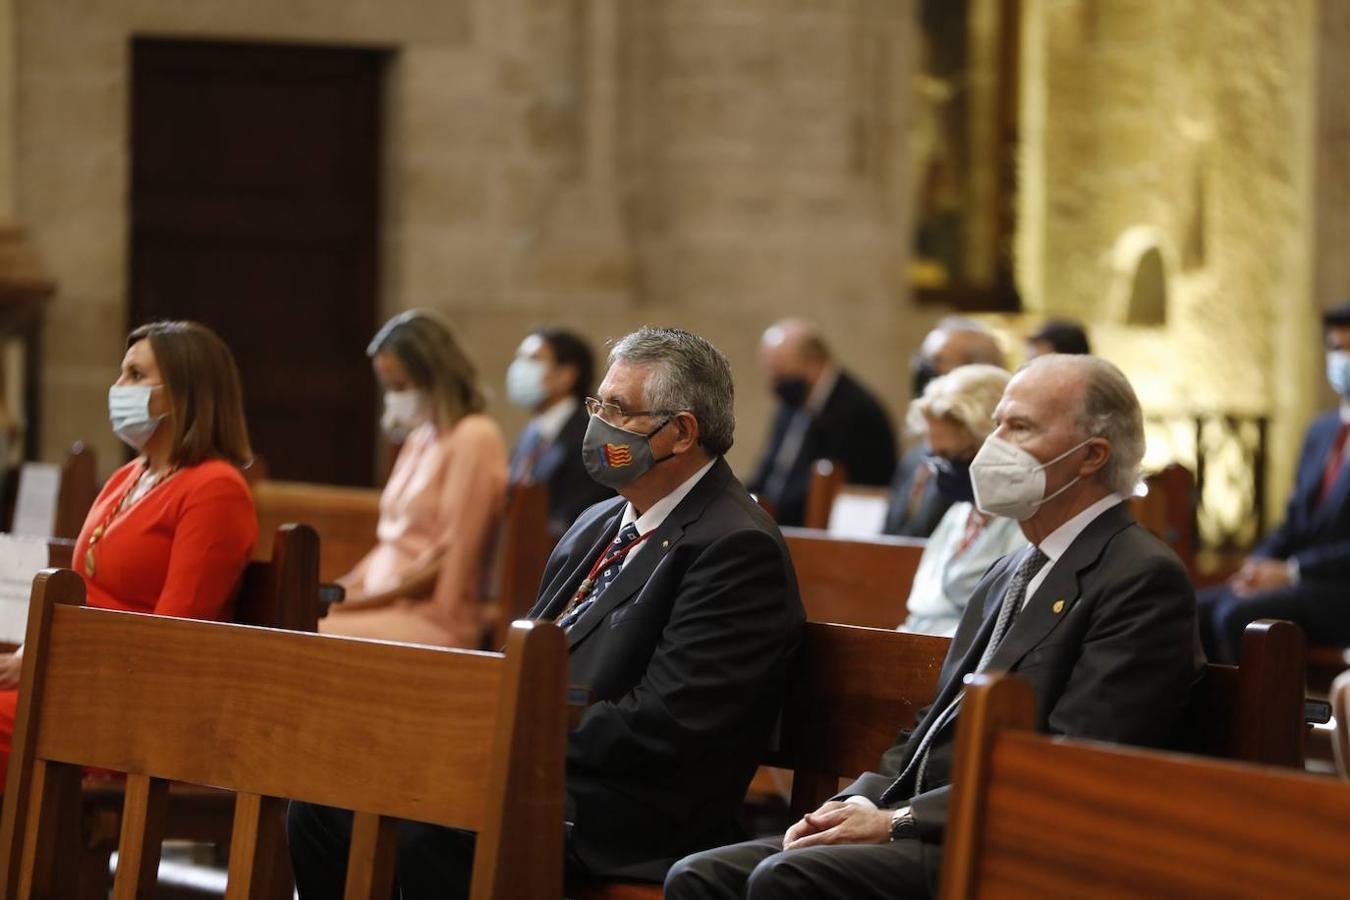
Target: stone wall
<point x="595" y="162"/>
<point x="1190" y="127"/>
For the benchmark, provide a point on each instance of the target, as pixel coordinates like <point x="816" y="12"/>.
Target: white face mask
<point x="129" y="413"/>
<point x="402" y="413"/>
<point x="1338" y="371"/>
<point x="525" y="382"/>
<point x="1009" y="481"/>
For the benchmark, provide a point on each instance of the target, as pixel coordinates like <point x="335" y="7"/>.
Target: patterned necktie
<point x="609" y="571"/>
<point x="1007" y="612"/>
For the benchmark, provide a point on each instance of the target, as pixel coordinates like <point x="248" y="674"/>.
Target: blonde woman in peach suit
<point x="423" y="580"/>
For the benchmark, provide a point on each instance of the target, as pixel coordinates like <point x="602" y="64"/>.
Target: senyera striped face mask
<point x="616" y="457"/>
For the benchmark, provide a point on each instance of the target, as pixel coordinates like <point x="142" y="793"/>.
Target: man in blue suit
<point x="1301" y="571"/>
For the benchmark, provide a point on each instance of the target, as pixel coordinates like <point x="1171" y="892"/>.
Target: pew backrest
<point x="523" y="548"/>
<point x="345" y="519"/>
<point x="854" y="581"/>
<point x="457" y="738"/>
<point x="854" y="690"/>
<point x="1054" y="817"/>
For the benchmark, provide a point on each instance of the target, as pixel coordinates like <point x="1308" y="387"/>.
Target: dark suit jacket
<point x="686" y="653"/>
<point x="1317" y="535"/>
<point x="852" y="427"/>
<point x="570" y="488"/>
<point x="933" y="504"/>
<point x="1117" y="663"/>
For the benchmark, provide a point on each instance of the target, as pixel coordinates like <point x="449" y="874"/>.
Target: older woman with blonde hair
<point x="956" y="412"/>
<point x="422" y="581"/>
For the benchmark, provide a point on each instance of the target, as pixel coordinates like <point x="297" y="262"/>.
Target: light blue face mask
<point x="1338" y="371"/>
<point x="525" y="382"/>
<point x="129" y="412"/>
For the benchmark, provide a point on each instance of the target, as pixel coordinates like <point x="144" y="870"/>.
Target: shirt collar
<point x="1059" y="540"/>
<point x="820" y="392"/>
<point x="662" y="508"/>
<point x="550" y="422"/>
<point x="1345" y="411"/>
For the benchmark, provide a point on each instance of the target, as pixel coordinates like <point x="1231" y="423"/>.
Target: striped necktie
<point x="1013" y="601"/>
<point x="617" y="548"/>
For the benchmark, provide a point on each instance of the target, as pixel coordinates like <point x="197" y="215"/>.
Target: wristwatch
<point x="902" y="824"/>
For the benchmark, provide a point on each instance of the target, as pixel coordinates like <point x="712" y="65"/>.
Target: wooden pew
<point x="281" y="593"/>
<point x="853" y="581"/>
<point x="344" y="518"/>
<point x="521" y="554"/>
<point x="828" y="478"/>
<point x="463" y="739"/>
<point x="854" y="689"/>
<point x="1045" y="817"/>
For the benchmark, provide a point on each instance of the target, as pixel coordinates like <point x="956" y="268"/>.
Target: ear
<point x="1098" y="455"/>
<point x="686" y="431"/>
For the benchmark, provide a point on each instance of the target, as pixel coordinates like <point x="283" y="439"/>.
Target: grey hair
<point x="687" y="373"/>
<point x="1110" y="409"/>
<point x="967" y="395"/>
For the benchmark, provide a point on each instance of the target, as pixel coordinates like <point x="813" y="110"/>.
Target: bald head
<point x="793" y="349"/>
<point x="959" y="342"/>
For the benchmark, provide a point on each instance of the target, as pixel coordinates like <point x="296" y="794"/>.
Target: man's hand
<point x="11" y="664"/>
<point x="1259" y="575"/>
<point x="840" y="823"/>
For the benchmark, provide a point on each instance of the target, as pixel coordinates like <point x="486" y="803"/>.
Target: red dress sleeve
<point x="212" y="542"/>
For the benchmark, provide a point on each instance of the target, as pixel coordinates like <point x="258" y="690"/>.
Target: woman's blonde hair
<point x="966" y="395"/>
<point x="424" y="343"/>
<point x="202" y="383"/>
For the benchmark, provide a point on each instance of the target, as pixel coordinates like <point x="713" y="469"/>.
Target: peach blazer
<point x="444" y="498"/>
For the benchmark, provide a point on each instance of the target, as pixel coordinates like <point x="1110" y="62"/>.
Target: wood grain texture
<point x="143" y="809"/>
<point x="344" y="518"/>
<point x="452" y="737"/>
<point x="853" y="581"/>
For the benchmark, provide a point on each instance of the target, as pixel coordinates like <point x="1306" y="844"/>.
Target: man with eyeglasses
<point x="682" y="614"/>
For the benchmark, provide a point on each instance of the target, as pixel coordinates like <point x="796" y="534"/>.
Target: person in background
<point x="823" y="413"/>
<point x="1300" y="571"/>
<point x="422" y="581"/>
<point x="956" y="413"/>
<point x="1058" y="336"/>
<point x="172" y="530"/>
<point x="550" y="376"/>
<point x="915" y="504"/>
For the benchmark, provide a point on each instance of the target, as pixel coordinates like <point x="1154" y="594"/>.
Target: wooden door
<point x="254" y="199"/>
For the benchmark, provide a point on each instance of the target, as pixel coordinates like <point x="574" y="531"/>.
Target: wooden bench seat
<point x="464" y="739"/>
<point x="1035" y="816"/>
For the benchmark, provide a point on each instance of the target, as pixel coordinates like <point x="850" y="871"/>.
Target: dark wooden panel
<point x="254" y="210"/>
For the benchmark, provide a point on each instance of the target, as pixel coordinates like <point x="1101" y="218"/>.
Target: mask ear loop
<point x="1077" y="478"/>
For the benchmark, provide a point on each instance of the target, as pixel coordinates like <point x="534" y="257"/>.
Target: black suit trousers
<point x="433" y="862"/>
<point x="763" y="870"/>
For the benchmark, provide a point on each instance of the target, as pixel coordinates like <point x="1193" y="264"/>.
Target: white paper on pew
<point x="35" y="505"/>
<point x="20" y="559"/>
<point x="858" y="515"/>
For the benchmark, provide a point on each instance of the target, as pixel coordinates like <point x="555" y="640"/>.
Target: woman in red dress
<point x="172" y="530"/>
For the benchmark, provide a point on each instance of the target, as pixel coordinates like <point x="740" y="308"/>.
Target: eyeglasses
<point x="613" y="411"/>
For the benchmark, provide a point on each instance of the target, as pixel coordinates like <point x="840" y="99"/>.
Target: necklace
<point x="135" y="492"/>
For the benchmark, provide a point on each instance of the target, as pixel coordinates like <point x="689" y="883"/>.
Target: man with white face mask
<point x="550" y="376"/>
<point x="1097" y="615"/>
<point x="1300" y="571"/>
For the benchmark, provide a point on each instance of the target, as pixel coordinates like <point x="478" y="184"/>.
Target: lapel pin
<point x="1058" y="606"/>
<point x="665" y="544"/>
